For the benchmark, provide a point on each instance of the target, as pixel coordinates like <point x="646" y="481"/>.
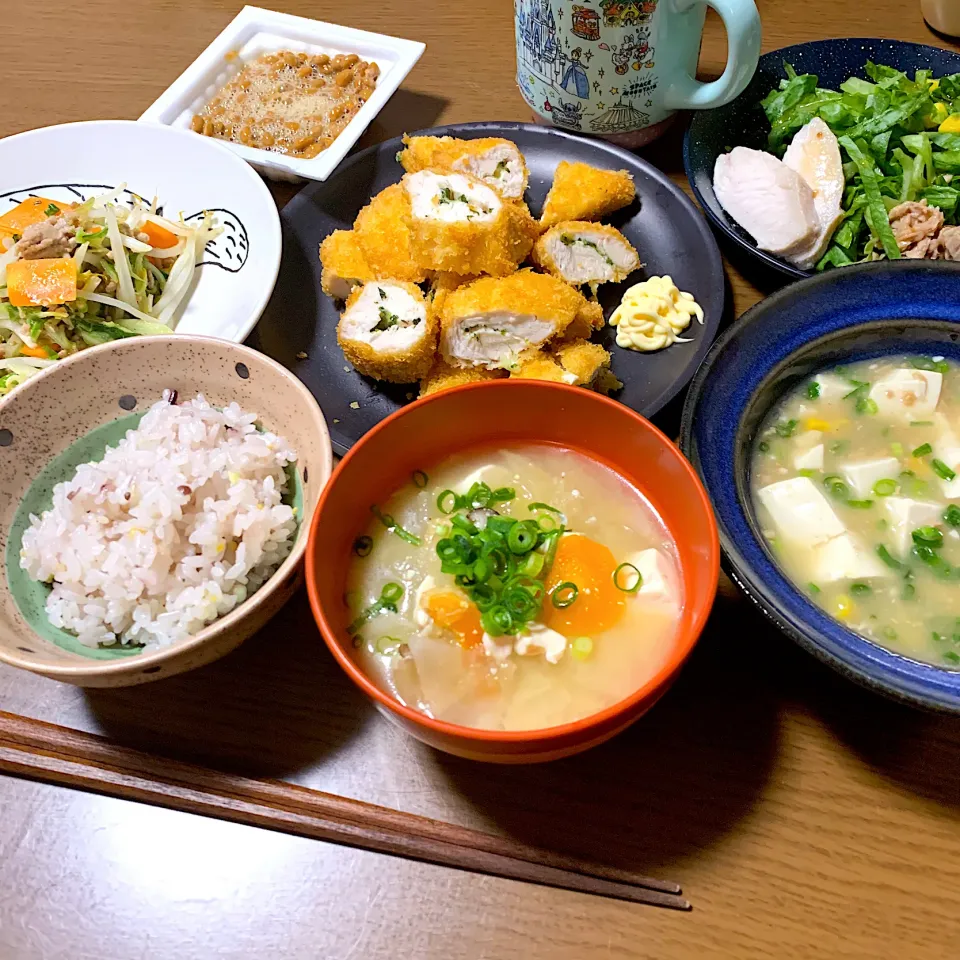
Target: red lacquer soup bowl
<point x="508" y="412"/>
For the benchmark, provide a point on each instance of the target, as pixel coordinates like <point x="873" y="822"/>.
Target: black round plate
<point x="299" y="325"/>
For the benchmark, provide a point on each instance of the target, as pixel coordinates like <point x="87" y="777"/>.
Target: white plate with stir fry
<point x="198" y="229"/>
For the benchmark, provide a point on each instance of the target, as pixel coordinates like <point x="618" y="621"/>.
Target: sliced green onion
<point x="389" y="596"/>
<point x="522" y="537"/>
<point x="890" y="633"/>
<point x="952" y="515"/>
<point x="860" y="504"/>
<point x="532" y="565"/>
<point x="896" y="449"/>
<point x="866" y="405"/>
<point x="921" y="423"/>
<point x="942" y="470"/>
<point x="951" y="656"/>
<point x="387" y="520"/>
<point x="927" y="363"/>
<point x="813" y="390"/>
<point x="763" y="446"/>
<point x="785" y="428"/>
<point x="860" y="589"/>
<point x="363" y="545"/>
<point x="884" y="554"/>
<point x="391" y="593"/>
<point x="859" y="387"/>
<point x="922" y="450"/>
<point x="929" y="536"/>
<point x="836" y="487"/>
<point x="447" y="502"/>
<point x="581" y="648"/>
<point x="564" y="594"/>
<point x="387" y="646"/>
<point x="497" y="621"/>
<point x="627" y="578"/>
<point x="538" y="505"/>
<point x="502" y="494"/>
<point x="420" y="479"/>
<point x="885" y="488"/>
<point x="813" y="588"/>
<point x="909" y="592"/>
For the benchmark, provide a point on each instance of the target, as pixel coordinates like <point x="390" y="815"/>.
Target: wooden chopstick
<point x="45" y="751"/>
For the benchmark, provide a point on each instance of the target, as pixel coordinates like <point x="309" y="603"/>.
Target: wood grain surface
<point x="803" y="816"/>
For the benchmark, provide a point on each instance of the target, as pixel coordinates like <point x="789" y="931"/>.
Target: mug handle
<point x="742" y="23"/>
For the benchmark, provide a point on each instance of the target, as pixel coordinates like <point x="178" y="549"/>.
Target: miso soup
<point x="514" y="589"/>
<point x="856" y="482"/>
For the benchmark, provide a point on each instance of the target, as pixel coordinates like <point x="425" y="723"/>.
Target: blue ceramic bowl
<point x="742" y="122"/>
<point x="861" y="311"/>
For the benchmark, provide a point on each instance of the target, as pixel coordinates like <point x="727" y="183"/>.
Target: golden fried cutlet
<point x="443" y="377"/>
<point x="582" y="192"/>
<point x="384" y="237"/>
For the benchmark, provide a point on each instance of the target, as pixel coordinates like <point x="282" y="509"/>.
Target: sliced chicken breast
<point x="491" y="322"/>
<point x="815" y="154"/>
<point x="582" y="252"/>
<point x="387" y="333"/>
<point x="771" y="201"/>
<point x="459" y="224"/>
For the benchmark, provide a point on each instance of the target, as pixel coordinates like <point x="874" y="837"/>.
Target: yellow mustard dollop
<point x="653" y="313"/>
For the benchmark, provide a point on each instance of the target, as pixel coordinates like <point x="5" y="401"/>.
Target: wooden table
<point x="803" y="816"/>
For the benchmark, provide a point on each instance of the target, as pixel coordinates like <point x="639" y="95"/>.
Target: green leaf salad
<point x="900" y="138"/>
<point x="73" y="276"/>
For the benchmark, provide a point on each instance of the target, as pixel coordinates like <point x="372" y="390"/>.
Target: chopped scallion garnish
<point x="627" y="578"/>
<point x="387" y="520"/>
<point x="564" y="594"/>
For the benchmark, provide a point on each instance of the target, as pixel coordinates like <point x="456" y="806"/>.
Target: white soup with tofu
<point x="856" y="483"/>
<point x="515" y="588"/>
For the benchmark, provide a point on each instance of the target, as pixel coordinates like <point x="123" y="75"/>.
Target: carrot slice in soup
<point x="160" y="237"/>
<point x="32" y="210"/>
<point x="41" y="283"/>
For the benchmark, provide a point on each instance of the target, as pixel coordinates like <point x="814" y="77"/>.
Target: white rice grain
<point x="174" y="527"/>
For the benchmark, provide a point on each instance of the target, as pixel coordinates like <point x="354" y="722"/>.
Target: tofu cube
<point x="843" y="558"/>
<point x="905" y="516"/>
<point x="863" y="475"/>
<point x="832" y="386"/>
<point x="657" y="576"/>
<point x="808" y="451"/>
<point x="907" y="394"/>
<point x="800" y="512"/>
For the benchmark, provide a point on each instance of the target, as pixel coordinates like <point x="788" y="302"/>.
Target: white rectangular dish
<point x="255" y="31"/>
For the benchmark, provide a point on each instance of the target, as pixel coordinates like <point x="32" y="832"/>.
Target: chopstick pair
<point x="55" y="754"/>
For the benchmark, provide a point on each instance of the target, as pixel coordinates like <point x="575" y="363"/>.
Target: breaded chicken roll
<point x="497" y="162"/>
<point x="582" y="252"/>
<point x="442" y="377"/>
<point x="588" y="320"/>
<point x="540" y="366"/>
<point x="384" y="236"/>
<point x="582" y="362"/>
<point x="344" y="265"/>
<point x="492" y="321"/>
<point x="582" y="192"/>
<point x="442" y="284"/>
<point x="459" y="224"/>
<point x="387" y="333"/>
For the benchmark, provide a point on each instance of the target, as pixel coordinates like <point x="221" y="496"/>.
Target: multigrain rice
<point x="174" y="527"/>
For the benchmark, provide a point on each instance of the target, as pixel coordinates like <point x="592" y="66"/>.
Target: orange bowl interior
<point x="497" y="413"/>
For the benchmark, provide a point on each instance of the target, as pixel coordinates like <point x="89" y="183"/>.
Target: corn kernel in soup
<point x="514" y="589"/>
<point x="856" y="483"/>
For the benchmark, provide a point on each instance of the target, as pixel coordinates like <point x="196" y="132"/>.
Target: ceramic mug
<point x="621" y="68"/>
